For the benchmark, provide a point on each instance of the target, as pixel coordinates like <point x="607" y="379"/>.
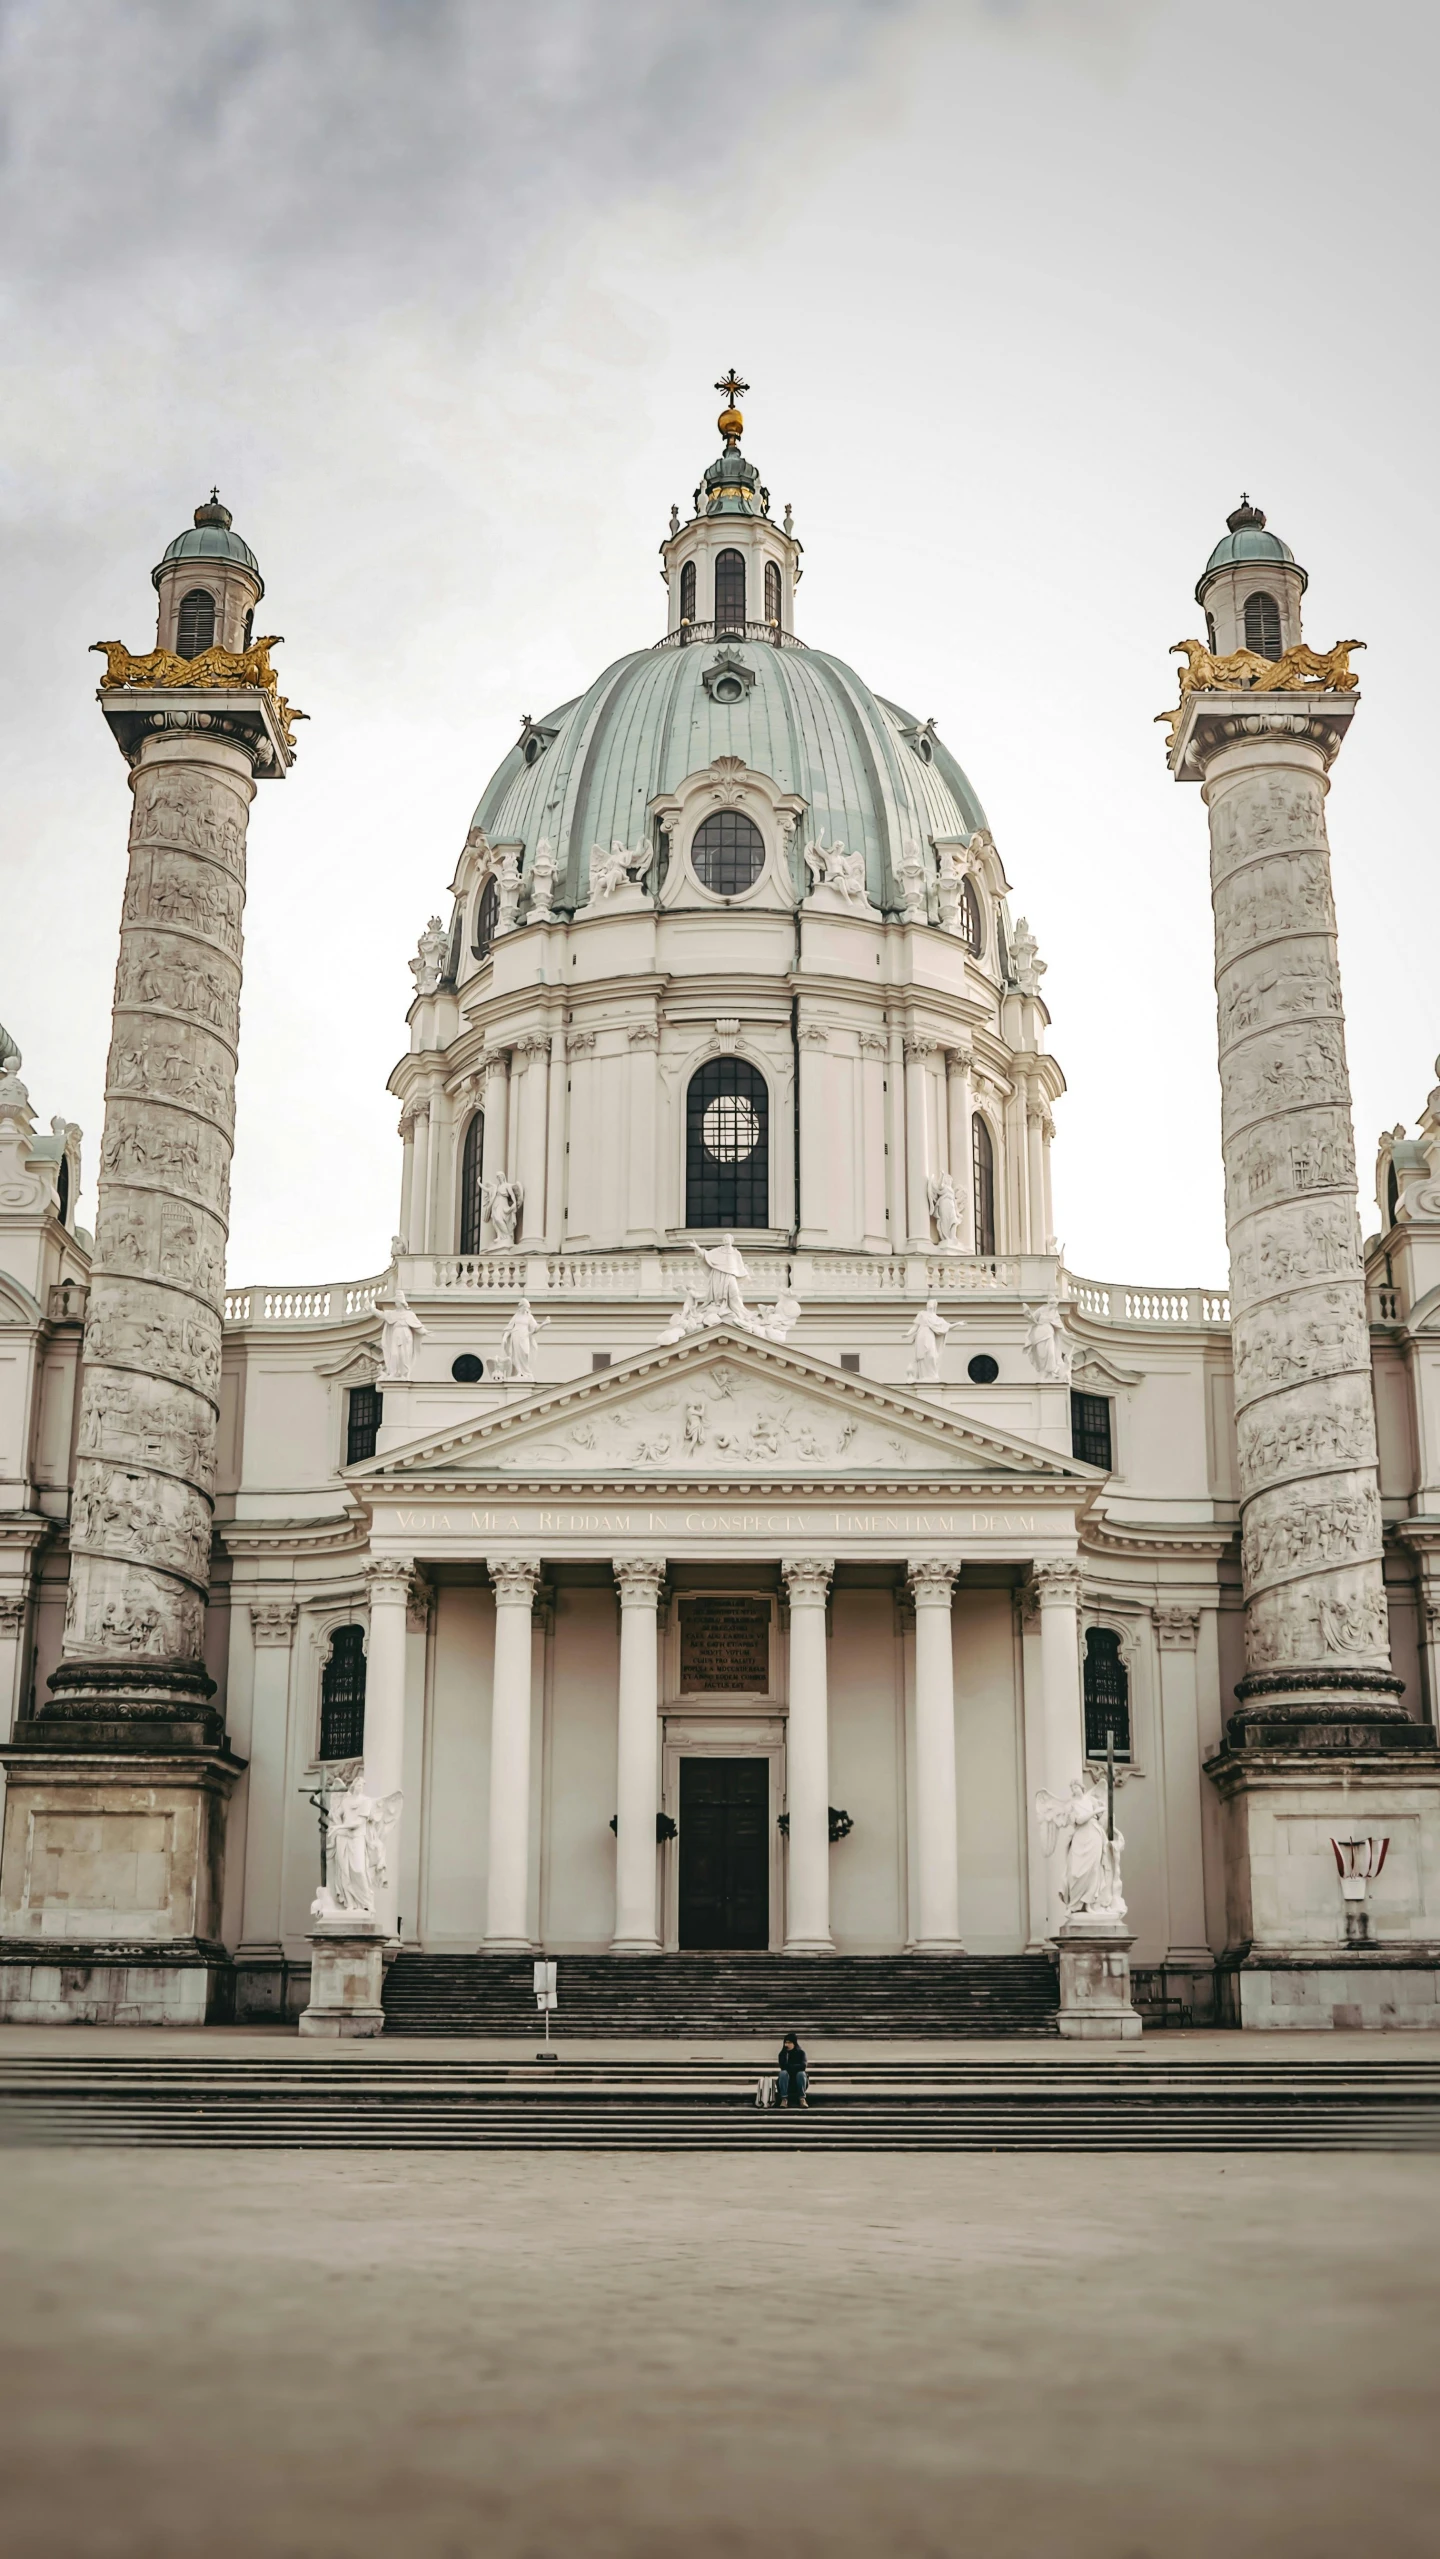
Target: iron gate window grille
<point x="472" y="1193"/>
<point x="728" y="854"/>
<point x="1107" y="1694"/>
<point x="342" y="1696"/>
<point x="362" y="1423"/>
<point x="727" y="1148"/>
<point x="1090" y="1436"/>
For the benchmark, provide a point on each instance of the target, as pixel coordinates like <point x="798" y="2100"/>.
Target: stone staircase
<point x="721" y="1996"/>
<point x="358" y="2097"/>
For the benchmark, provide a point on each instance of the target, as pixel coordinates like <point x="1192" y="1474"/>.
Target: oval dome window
<point x="728" y="854"/>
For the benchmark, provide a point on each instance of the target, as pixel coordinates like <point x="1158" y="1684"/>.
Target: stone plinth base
<point x="116" y="1986"/>
<point x="110" y="1875"/>
<point x="1095" y="2003"/>
<point x="1377" y="1989"/>
<point x="347" y="1970"/>
<point x="1095" y="1981"/>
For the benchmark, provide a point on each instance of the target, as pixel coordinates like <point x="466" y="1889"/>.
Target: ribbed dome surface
<point x="807" y="721"/>
<point x="1252" y="542"/>
<point x="210" y="542"/>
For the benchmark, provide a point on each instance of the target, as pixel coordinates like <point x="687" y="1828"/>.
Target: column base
<point x="507" y="1945"/>
<point x="808" y="1946"/>
<point x="1095" y="2002"/>
<point x="635" y="1946"/>
<point x="347" y="1970"/>
<point x="935" y="1946"/>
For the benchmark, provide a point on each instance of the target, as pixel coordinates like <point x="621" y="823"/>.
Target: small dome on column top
<point x="210" y="538"/>
<point x="1246" y="539"/>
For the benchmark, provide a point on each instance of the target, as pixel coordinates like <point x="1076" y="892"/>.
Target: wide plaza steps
<point x="720" y="1996"/>
<point x="358" y="2097"/>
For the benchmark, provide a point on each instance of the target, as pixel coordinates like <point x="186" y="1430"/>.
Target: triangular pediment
<point x="725" y="1408"/>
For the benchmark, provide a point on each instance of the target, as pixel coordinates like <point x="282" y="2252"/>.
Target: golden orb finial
<point x="730" y="422"/>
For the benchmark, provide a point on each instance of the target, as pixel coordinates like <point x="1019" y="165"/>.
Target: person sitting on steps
<point x="790" y="2086"/>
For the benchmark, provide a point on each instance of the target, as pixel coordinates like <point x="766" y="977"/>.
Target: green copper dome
<point x="871" y="777"/>
<point x="210" y="538"/>
<point x="1245" y="539"/>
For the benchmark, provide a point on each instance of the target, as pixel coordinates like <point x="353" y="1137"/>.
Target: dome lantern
<point x="208" y="583"/>
<point x="1251" y="587"/>
<point x="730" y="570"/>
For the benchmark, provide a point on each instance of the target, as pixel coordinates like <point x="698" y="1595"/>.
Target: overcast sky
<point x="1027" y="292"/>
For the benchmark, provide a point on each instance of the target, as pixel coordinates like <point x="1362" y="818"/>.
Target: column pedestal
<point x="346" y="1976"/>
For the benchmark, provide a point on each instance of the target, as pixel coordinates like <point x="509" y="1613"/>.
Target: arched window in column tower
<point x="1262" y="625"/>
<point x="195" y="629"/>
<point x="472" y="1198"/>
<point x="730" y="591"/>
<point x="727" y="1145"/>
<point x="982" y="1167"/>
<point x="772" y="592"/>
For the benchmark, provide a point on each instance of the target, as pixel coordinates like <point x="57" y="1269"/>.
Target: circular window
<point x="728" y="689"/>
<point x="730" y="1128"/>
<point x="983" y="1369"/>
<point x="467" y="1368"/>
<point x="926" y="751"/>
<point x="728" y="854"/>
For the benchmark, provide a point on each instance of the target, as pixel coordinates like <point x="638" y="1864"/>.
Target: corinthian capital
<point x="1056" y="1585"/>
<point x="807" y="1579"/>
<point x="388" y="1577"/>
<point x="1177" y="1629"/>
<point x="272" y="1621"/>
<point x="515" y="1584"/>
<point x="640" y="1578"/>
<point x="931" y="1583"/>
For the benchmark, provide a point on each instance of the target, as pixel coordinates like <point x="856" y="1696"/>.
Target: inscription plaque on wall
<point x="724" y="1644"/>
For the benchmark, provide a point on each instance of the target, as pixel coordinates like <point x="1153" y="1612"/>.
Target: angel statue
<point x="502" y="1201"/>
<point x="831" y="867"/>
<point x="400" y="1328"/>
<point x="357" y="1826"/>
<point x="944" y="1208"/>
<point x="1046" y="1344"/>
<point x="1091" y="1888"/>
<point x="618" y="869"/>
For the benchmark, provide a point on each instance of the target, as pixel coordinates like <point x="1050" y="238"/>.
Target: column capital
<point x="272" y="1621"/>
<point x="12" y="1614"/>
<point x="1177" y="1629"/>
<point x="1056" y="1585"/>
<point x="807" y="1579"/>
<point x="932" y="1584"/>
<point x="641" y="1578"/>
<point x="515" y="1584"/>
<point x="388" y="1577"/>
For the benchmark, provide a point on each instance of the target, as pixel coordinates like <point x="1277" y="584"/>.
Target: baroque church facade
<point x="724" y="1523"/>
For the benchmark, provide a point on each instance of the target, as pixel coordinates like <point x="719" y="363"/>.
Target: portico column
<point x="807" y="1759"/>
<point x="388" y="1579"/>
<point x="640" y="1580"/>
<point x="507" y="1911"/>
<point x="12" y="1631"/>
<point x="936" y="1810"/>
<point x="272" y="1634"/>
<point x="1057" y="1587"/>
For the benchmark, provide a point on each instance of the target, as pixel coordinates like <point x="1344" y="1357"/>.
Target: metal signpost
<point x="546" y="1998"/>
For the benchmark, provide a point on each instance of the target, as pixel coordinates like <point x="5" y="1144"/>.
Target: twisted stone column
<point x="1315" y="1615"/>
<point x="149" y="1402"/>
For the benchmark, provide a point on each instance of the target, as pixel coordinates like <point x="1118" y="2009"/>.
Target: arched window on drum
<point x="472" y="1196"/>
<point x="342" y="1696"/>
<point x="1262" y="625"/>
<point x="487" y="916"/>
<point x="772" y="593"/>
<point x="982" y="1168"/>
<point x="687" y="592"/>
<point x="196" y="627"/>
<point x="727" y="1146"/>
<point x="967" y="917"/>
<point x="730" y="591"/>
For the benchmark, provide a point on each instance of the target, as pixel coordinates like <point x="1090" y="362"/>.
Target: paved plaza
<point x="523" y="2355"/>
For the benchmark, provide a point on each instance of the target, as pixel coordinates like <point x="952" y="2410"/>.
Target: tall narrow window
<point x="1392" y="1196"/>
<point x="730" y="591"/>
<point x="772" y="592"/>
<point x="968" y="917"/>
<point x="62" y="1192"/>
<point x="196" y="628"/>
<point x="1107" y="1694"/>
<point x="982" y="1166"/>
<point x="1262" y="625"/>
<point x="472" y="1197"/>
<point x="487" y="916"/>
<point x="727" y="1145"/>
<point x="1090" y="1434"/>
<point x="687" y="592"/>
<point x="362" y="1423"/>
<point x="342" y="1695"/>
<point x="728" y="853"/>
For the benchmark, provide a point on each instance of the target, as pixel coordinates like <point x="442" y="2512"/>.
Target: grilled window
<point x="487" y="916"/>
<point x="730" y="591"/>
<point x="362" y="1423"/>
<point x="971" y="929"/>
<point x="772" y="591"/>
<point x="342" y="1695"/>
<point x="687" y="592"/>
<point x="196" y="628"/>
<point x="1090" y="1435"/>
<point x="1107" y="1694"/>
<point x="727" y="1146"/>
<point x="982" y="1174"/>
<point x="728" y="853"/>
<point x="1262" y="625"/>
<point x="472" y="1197"/>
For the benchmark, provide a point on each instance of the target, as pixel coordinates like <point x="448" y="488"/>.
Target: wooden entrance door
<point x="724" y="1853"/>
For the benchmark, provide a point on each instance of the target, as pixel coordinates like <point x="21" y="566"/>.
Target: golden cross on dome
<point x="732" y="387"/>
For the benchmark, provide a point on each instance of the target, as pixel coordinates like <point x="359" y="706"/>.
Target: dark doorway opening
<point x="724" y="1853"/>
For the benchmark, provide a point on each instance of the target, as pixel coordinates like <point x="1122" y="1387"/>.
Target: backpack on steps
<point x="765" y="2088"/>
